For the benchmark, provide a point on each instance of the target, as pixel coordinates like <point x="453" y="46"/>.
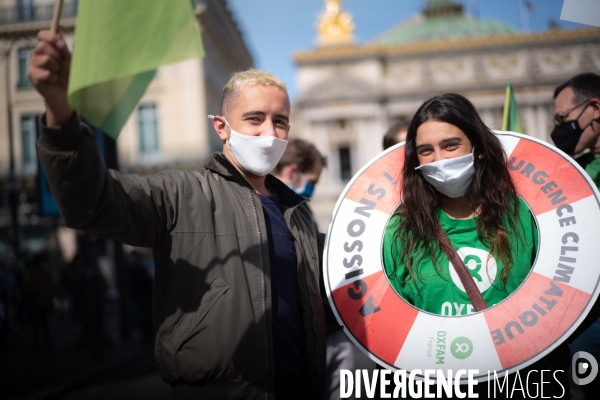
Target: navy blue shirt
<point x="288" y="328"/>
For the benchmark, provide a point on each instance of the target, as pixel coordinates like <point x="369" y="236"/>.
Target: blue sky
<point x="275" y="29"/>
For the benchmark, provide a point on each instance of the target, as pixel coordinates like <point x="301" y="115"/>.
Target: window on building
<point x="345" y="163"/>
<point x="28" y="138"/>
<point x="148" y="128"/>
<point x="25" y="10"/>
<point x="23" y="60"/>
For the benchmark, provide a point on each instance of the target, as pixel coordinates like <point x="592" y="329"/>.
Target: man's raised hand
<point x="48" y="70"/>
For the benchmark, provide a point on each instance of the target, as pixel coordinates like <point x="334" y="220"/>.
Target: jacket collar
<point x="219" y="164"/>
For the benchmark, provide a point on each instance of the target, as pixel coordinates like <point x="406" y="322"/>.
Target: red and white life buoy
<point x="544" y="311"/>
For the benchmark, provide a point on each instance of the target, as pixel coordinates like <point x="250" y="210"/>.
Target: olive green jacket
<point x="212" y="296"/>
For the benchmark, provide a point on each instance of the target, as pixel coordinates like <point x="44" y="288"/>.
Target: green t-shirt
<point x="593" y="170"/>
<point x="442" y="293"/>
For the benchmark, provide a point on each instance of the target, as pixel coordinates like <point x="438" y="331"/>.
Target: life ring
<point x="543" y="312"/>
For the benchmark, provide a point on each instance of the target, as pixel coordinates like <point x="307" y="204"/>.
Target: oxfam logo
<point x="475" y="260"/>
<point x="461" y="347"/>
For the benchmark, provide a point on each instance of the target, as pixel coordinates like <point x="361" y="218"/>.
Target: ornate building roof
<point x="334" y="26"/>
<point x="442" y="26"/>
<point x="448" y="45"/>
<point x="442" y="19"/>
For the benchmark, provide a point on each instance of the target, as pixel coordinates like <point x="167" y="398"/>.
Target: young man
<point x="577" y="121"/>
<point x="237" y="302"/>
<point x="300" y="167"/>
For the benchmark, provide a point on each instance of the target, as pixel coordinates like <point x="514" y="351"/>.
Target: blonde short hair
<point x="248" y="78"/>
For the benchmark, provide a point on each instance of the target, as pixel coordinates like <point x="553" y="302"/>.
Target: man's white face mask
<point x="452" y="176"/>
<point x="256" y="154"/>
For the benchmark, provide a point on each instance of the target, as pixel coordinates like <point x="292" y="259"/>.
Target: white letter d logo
<point x="583" y="367"/>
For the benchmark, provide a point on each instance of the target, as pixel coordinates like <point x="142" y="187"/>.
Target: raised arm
<point x="133" y="209"/>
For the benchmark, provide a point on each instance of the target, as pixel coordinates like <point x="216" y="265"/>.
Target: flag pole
<point x="58" y="4"/>
<point x="505" y="110"/>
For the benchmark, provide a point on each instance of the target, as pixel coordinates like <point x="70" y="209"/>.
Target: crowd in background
<point x="36" y="287"/>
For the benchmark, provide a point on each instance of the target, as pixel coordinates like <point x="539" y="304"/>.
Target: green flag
<point x="119" y="44"/>
<point x="510" y="118"/>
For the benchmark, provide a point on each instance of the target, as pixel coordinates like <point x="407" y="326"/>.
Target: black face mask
<point x="566" y="136"/>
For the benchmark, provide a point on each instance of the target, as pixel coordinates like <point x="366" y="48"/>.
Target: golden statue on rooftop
<point x="334" y="27"/>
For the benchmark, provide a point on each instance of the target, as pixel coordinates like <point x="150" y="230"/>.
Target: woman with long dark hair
<point x="455" y="182"/>
<point x="457" y="193"/>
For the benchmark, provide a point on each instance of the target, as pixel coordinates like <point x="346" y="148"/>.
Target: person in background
<point x="577" y="121"/>
<point x="39" y="295"/>
<point x="396" y="133"/>
<point x="300" y="167"/>
<point x="577" y="133"/>
<point x="89" y="292"/>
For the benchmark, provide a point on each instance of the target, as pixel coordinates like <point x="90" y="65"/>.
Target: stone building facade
<point x="168" y="129"/>
<point x="349" y="94"/>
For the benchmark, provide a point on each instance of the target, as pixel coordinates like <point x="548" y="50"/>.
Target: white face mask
<point x="452" y="176"/>
<point x="256" y="154"/>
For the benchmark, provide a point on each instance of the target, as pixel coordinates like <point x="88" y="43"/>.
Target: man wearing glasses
<point x="577" y="121"/>
<point x="577" y="133"/>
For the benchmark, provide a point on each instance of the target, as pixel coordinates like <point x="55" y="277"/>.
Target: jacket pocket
<point x="195" y="314"/>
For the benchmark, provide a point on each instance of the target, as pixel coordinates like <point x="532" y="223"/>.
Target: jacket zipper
<point x="264" y="286"/>
<point x="289" y="224"/>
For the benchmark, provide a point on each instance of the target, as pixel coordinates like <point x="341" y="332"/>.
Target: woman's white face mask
<point x="256" y="154"/>
<point x="452" y="176"/>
